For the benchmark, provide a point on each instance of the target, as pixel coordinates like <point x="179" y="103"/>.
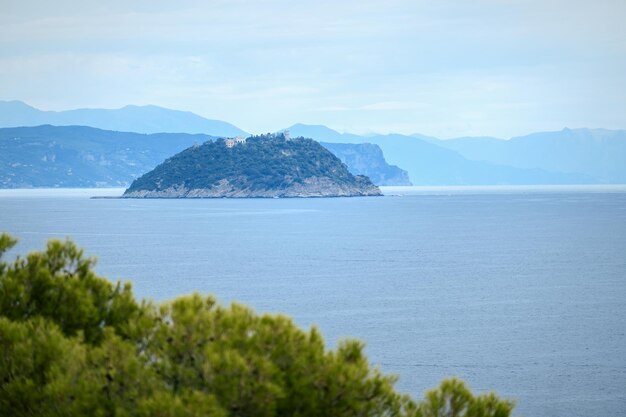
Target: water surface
<point x="521" y="290"/>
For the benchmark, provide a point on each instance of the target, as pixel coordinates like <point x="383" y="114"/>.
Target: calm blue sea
<point x="520" y="290"/>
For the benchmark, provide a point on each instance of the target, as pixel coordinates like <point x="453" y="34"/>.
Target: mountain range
<point x="569" y="156"/>
<point x="598" y="153"/>
<point x="81" y="156"/>
<point x="429" y="161"/>
<point x="139" y="119"/>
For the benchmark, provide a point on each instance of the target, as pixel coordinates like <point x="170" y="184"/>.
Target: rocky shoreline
<point x="311" y="187"/>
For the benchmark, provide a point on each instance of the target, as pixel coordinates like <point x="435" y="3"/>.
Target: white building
<point x="230" y="142"/>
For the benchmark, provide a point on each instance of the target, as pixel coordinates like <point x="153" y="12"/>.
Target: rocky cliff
<point x="368" y="159"/>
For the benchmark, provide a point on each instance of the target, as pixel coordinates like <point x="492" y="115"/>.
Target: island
<point x="264" y="166"/>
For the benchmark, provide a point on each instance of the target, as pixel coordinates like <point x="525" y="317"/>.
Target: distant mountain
<point x="141" y="119"/>
<point x="325" y="134"/>
<point x="360" y="159"/>
<point x="367" y="159"/>
<point x="153" y="119"/>
<point x="428" y="162"/>
<point x="78" y="156"/>
<point x="261" y="166"/>
<point x="570" y="156"/>
<point x="597" y="153"/>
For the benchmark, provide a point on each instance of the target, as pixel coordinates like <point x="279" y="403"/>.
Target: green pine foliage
<point x="74" y="344"/>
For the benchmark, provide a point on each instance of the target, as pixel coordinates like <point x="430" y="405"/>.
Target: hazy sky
<point x="443" y="68"/>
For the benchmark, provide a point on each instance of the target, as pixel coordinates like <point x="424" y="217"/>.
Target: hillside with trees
<point x="80" y="156"/>
<point x="259" y="166"/>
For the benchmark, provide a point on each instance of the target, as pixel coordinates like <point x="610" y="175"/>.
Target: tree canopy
<point x="74" y="344"/>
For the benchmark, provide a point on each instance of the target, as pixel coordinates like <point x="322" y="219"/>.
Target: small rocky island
<point x="260" y="166"/>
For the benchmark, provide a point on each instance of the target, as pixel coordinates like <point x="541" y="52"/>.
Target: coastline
<point x="388" y="191"/>
<point x="501" y="189"/>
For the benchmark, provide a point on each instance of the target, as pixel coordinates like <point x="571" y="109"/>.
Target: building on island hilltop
<point x="230" y="142"/>
<point x="240" y="140"/>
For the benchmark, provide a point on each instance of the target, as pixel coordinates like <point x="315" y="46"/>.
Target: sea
<point x="519" y="290"/>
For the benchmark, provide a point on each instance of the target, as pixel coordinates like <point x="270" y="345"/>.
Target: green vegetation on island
<point x="74" y="344"/>
<point x="259" y="166"/>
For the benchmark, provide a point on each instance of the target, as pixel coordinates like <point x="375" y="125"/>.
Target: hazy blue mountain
<point x="429" y="163"/>
<point x="425" y="137"/>
<point x="325" y="134"/>
<point x="78" y="156"/>
<point x="564" y="157"/>
<point x="379" y="171"/>
<point x="367" y="159"/>
<point x="598" y="153"/>
<point x="141" y="119"/>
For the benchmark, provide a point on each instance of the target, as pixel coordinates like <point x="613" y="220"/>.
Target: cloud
<point x="431" y="66"/>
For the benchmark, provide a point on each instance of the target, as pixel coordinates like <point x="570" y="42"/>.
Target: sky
<point x="443" y="68"/>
